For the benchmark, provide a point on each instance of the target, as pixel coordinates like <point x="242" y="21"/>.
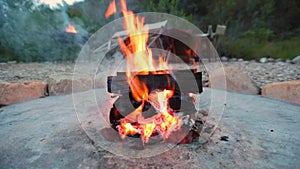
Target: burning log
<point x="153" y="98"/>
<point x="118" y="84"/>
<point x="126" y="106"/>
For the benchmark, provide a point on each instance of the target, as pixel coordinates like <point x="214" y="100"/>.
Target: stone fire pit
<point x="255" y="132"/>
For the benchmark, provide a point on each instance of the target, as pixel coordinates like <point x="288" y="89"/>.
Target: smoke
<point x="54" y="4"/>
<point x="29" y="33"/>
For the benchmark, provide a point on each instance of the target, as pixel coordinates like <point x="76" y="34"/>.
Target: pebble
<point x="224" y="138"/>
<point x="32" y="71"/>
<point x="263" y="60"/>
<point x="296" y="60"/>
<point x="268" y="72"/>
<point x="233" y="59"/>
<point x="288" y="61"/>
<point x="271" y="60"/>
<point x="224" y="59"/>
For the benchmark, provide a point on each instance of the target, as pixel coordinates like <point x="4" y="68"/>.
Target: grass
<point x="254" y="48"/>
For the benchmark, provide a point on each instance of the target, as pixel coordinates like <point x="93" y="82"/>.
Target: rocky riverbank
<point x="264" y="73"/>
<point x="259" y="73"/>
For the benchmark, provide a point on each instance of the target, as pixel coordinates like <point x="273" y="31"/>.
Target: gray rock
<point x="296" y="60"/>
<point x="224" y="59"/>
<point x="233" y="59"/>
<point x="12" y="62"/>
<point x="270" y="60"/>
<point x="263" y="60"/>
<point x="45" y="133"/>
<point x="288" y="61"/>
<point x="240" y="60"/>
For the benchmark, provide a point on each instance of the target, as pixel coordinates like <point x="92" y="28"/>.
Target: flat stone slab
<point x="11" y="93"/>
<point x="45" y="133"/>
<point x="288" y="91"/>
<point x="66" y="83"/>
<point x="236" y="80"/>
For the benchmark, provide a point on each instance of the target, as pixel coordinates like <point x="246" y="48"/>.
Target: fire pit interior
<point x="179" y="103"/>
<point x="154" y="99"/>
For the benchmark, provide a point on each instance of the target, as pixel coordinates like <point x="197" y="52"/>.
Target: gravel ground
<point x="12" y="72"/>
<point x="264" y="73"/>
<point x="260" y="73"/>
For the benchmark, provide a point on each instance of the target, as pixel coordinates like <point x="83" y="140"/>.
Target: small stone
<point x="240" y="60"/>
<point x="233" y="60"/>
<point x="12" y="62"/>
<point x="296" y="60"/>
<point x="224" y="59"/>
<point x="263" y="60"/>
<point x="224" y="138"/>
<point x="288" y="61"/>
<point x="270" y="60"/>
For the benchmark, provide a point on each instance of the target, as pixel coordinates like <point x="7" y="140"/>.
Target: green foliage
<point x="240" y="15"/>
<point x="255" y="28"/>
<point x="165" y="6"/>
<point x="254" y="48"/>
<point x="262" y="34"/>
<point x="28" y="35"/>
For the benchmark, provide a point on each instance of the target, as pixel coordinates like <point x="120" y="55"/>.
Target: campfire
<point x="151" y="99"/>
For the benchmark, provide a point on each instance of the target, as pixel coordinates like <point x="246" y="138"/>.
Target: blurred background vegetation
<point x="255" y="28"/>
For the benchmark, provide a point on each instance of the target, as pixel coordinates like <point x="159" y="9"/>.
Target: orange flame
<point x="111" y="9"/>
<point x="125" y="129"/>
<point x="71" y="29"/>
<point x="140" y="61"/>
<point x="147" y="131"/>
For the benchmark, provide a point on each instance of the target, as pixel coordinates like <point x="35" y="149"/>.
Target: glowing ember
<point x="139" y="59"/>
<point x="71" y="29"/>
<point x="163" y="122"/>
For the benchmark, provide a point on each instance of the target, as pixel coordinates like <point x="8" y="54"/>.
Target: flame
<point x="163" y="122"/>
<point x="169" y="122"/>
<point x="125" y="129"/>
<point x="111" y="9"/>
<point x="140" y="62"/>
<point x="138" y="55"/>
<point x="147" y="131"/>
<point x="71" y="29"/>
